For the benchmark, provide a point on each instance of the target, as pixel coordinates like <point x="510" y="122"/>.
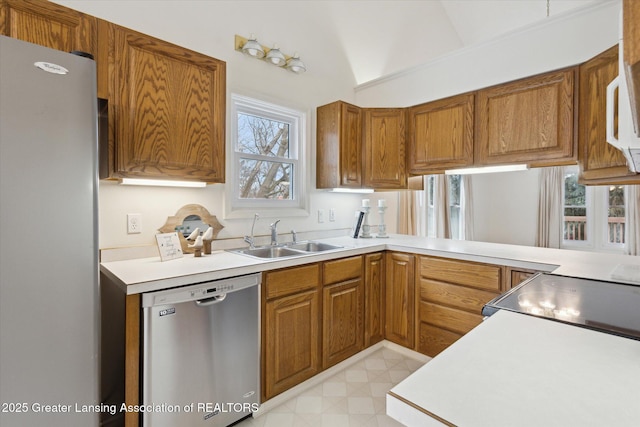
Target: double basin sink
<point x="288" y="250"/>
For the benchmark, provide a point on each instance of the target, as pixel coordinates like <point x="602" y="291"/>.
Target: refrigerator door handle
<point x="210" y="301"/>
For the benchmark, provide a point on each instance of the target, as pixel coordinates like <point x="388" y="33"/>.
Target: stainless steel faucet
<point x="250" y="239"/>
<point x="294" y="236"/>
<point x="274" y="233"/>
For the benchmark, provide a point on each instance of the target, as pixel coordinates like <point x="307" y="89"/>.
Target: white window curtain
<point x="441" y="214"/>
<point x="409" y="213"/>
<point x="412" y="209"/>
<point x="632" y="196"/>
<point x="467" y="207"/>
<point x="549" y="229"/>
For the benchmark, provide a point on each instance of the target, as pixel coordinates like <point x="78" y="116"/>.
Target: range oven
<point x="608" y="307"/>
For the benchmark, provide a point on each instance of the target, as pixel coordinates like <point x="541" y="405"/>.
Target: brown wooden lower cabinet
<point x="451" y="294"/>
<point x="291" y="350"/>
<point x="290" y="328"/>
<point x="374" y="294"/>
<point x="517" y="276"/>
<point x="342" y="310"/>
<point x="400" y="297"/>
<point x="342" y="326"/>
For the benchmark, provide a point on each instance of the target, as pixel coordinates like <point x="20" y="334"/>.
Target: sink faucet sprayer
<point x="250" y="239"/>
<point x="274" y="233"/>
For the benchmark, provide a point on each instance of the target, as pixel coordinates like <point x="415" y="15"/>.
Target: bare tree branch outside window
<point x="264" y="171"/>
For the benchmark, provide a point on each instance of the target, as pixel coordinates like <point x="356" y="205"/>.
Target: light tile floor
<point x="353" y="397"/>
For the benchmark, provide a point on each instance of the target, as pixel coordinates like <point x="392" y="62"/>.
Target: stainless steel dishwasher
<point x="201" y="353"/>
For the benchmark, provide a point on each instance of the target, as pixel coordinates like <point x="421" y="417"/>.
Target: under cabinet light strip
<point x="486" y="169"/>
<point x="162" y="183"/>
<point x="352" y="190"/>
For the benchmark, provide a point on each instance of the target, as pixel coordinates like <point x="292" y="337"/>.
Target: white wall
<point x="505" y="207"/>
<point x="561" y="41"/>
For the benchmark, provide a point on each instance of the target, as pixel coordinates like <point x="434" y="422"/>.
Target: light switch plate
<point x="320" y="215"/>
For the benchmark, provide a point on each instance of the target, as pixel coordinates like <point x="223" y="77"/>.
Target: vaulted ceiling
<point x="367" y="39"/>
<point x="372" y="30"/>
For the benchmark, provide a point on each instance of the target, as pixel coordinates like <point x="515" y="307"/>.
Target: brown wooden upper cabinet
<point x="166" y="108"/>
<point x="339" y="146"/>
<point x="631" y="58"/>
<point x="600" y="162"/>
<point x="440" y="135"/>
<point x="48" y="24"/>
<point x="385" y="163"/>
<point x="360" y="147"/>
<point x="527" y="121"/>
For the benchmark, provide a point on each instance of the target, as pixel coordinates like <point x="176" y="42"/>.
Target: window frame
<point x="597" y="214"/>
<point x="297" y="121"/>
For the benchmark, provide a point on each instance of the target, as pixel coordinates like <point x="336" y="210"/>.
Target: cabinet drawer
<point x="472" y="274"/>
<point x="292" y="280"/>
<point x="342" y="269"/>
<point x="448" y="318"/>
<point x="433" y="340"/>
<point x="453" y="295"/>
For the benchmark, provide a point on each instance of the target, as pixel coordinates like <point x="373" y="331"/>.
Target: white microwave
<point x="628" y="139"/>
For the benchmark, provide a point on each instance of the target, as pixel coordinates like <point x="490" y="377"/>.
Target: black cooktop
<point x="604" y="306"/>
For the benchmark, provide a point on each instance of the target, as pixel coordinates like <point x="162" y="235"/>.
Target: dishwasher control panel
<point x="200" y="290"/>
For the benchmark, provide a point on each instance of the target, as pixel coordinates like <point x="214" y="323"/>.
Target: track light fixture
<point x="252" y="48"/>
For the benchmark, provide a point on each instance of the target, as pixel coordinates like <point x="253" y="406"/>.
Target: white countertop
<point x="151" y="274"/>
<point x="520" y="370"/>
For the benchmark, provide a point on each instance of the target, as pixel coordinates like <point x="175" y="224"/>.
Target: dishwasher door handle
<point x="210" y="301"/>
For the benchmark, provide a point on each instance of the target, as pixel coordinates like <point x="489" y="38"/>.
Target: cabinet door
<point x="48" y="24"/>
<point x="374" y="293"/>
<point x="290" y="345"/>
<point x="600" y="162"/>
<point x="342" y="321"/>
<point x="400" y="298"/>
<point x="167" y="106"/>
<point x="339" y="146"/>
<point x="385" y="155"/>
<point x="527" y="121"/>
<point x="441" y="135"/>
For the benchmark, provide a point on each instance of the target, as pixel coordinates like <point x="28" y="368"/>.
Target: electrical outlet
<point x="134" y="223"/>
<point x="332" y="214"/>
<point x="320" y="215"/>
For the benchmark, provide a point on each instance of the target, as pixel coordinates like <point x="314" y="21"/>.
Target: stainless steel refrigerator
<point x="48" y="238"/>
